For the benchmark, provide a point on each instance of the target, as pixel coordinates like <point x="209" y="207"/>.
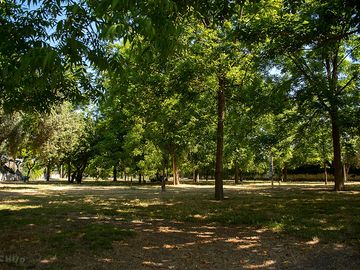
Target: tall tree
<point x="321" y="43"/>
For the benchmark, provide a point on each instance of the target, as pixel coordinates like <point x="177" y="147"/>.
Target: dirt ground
<point x="187" y="246"/>
<point x="162" y="244"/>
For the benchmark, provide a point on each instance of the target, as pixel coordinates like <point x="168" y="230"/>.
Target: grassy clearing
<point x="60" y="220"/>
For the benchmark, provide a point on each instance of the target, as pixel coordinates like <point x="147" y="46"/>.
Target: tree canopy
<point x="170" y="88"/>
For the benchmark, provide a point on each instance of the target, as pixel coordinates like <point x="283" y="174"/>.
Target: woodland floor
<point x="99" y="225"/>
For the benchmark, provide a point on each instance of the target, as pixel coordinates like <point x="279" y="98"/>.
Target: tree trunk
<point x="48" y="168"/>
<point x="115" y="173"/>
<point x="338" y="170"/>
<point x="79" y="177"/>
<point x="236" y="173"/>
<point x="62" y="173"/>
<point x="175" y="170"/>
<point x="325" y="173"/>
<point x="285" y="174"/>
<point x="69" y="171"/>
<point x="73" y="177"/>
<point x="196" y="176"/>
<point x="346" y="171"/>
<point x="219" y="189"/>
<point x="140" y="180"/>
<point x="272" y="170"/>
<point x="163" y="179"/>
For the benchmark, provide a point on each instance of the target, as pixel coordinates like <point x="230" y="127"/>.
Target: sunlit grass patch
<point x="17" y="207"/>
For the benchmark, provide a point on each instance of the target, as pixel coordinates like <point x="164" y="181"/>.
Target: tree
<point x="34" y="72"/>
<point x="321" y="47"/>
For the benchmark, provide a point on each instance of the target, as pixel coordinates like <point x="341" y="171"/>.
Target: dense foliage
<point x="171" y="88"/>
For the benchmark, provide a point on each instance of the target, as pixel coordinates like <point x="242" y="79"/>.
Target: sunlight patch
<point x="18" y="207"/>
<point x="152" y="264"/>
<point x="314" y="241"/>
<point x="201" y="217"/>
<point x="106" y="260"/>
<point x="49" y="260"/>
<point x="169" y="230"/>
<point x="266" y="263"/>
<point x="247" y="246"/>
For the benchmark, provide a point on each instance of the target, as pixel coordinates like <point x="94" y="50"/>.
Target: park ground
<point x="102" y="225"/>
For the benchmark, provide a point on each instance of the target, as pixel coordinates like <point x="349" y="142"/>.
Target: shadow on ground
<point x="117" y="227"/>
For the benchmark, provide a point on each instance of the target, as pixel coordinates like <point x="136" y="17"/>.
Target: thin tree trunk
<point x="345" y="169"/>
<point x="163" y="180"/>
<point x="140" y="178"/>
<point x="69" y="171"/>
<point x="272" y="170"/>
<point x="219" y="189"/>
<point x="196" y="176"/>
<point x="175" y="170"/>
<point x="236" y="173"/>
<point x="30" y="168"/>
<point x="80" y="172"/>
<point x="62" y="171"/>
<point x="325" y="173"/>
<point x="48" y="168"/>
<point x="115" y="173"/>
<point x="338" y="170"/>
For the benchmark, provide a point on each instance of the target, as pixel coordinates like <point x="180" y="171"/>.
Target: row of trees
<point x="250" y="86"/>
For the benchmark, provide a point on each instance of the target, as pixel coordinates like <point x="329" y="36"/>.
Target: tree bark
<point x="48" y="168"/>
<point x="284" y="174"/>
<point x="115" y="173"/>
<point x="163" y="179"/>
<point x="62" y="173"/>
<point x="346" y="171"/>
<point x="69" y="171"/>
<point x="175" y="170"/>
<point x="219" y="189"/>
<point x="30" y="168"/>
<point x="338" y="170"/>
<point x="140" y="180"/>
<point x="196" y="176"/>
<point x="325" y="174"/>
<point x="236" y="173"/>
<point x="272" y="170"/>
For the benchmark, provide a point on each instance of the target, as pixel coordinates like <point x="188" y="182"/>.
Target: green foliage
<point x="290" y="71"/>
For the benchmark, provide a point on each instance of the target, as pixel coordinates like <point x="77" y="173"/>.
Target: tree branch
<point x="346" y="56"/>
<point x="346" y="85"/>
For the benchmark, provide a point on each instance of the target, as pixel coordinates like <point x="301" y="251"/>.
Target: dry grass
<point x="58" y="226"/>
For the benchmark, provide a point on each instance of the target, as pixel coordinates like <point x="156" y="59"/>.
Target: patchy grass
<point x="93" y="236"/>
<point x="59" y="220"/>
